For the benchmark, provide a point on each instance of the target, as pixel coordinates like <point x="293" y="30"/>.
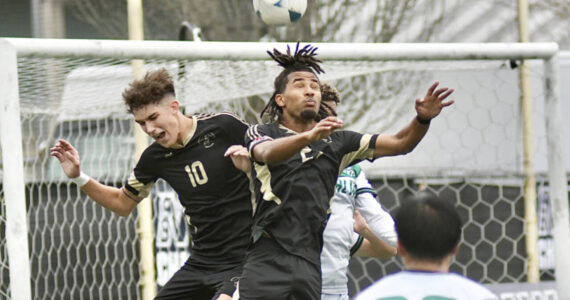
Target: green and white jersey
<point x="421" y="285"/>
<point x="352" y="190"/>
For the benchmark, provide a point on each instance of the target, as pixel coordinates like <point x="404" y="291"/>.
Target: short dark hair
<point x="301" y="60"/>
<point x="428" y="227"/>
<point x="149" y="90"/>
<point x="328" y="94"/>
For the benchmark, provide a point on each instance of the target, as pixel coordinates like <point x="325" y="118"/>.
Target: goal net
<point x="472" y="154"/>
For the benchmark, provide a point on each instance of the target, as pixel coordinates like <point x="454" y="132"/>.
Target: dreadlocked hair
<point x="328" y="94"/>
<point x="301" y="60"/>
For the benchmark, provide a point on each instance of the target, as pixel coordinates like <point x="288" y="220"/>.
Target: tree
<point x="235" y="20"/>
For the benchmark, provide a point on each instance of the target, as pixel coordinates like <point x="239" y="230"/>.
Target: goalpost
<point x="60" y="244"/>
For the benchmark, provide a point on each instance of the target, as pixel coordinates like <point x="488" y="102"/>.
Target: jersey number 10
<point x="197" y="173"/>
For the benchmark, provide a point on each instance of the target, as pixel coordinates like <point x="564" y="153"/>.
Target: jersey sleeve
<point x="256" y="135"/>
<point x="363" y="186"/>
<point x="357" y="147"/>
<point x="140" y="180"/>
<point x="379" y="220"/>
<point x="357" y="241"/>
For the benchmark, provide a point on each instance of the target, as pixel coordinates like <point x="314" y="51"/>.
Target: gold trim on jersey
<point x="264" y="177"/>
<point x="363" y="152"/>
<point x="190" y="134"/>
<point x="252" y="193"/>
<point x="287" y="129"/>
<point x="253" y="132"/>
<point x="205" y="116"/>
<point x="250" y="132"/>
<point x="143" y="189"/>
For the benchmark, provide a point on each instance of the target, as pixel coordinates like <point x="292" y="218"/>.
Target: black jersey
<point x="216" y="196"/>
<point x="293" y="197"/>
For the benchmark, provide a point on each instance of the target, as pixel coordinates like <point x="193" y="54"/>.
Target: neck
<point x="298" y="125"/>
<point x="441" y="266"/>
<point x="186" y="124"/>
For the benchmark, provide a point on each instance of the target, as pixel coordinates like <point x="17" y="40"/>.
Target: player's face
<point x="302" y="96"/>
<point x="159" y="121"/>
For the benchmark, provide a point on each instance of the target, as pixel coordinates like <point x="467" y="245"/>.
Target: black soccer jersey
<point x="293" y="197"/>
<point x="216" y="196"/>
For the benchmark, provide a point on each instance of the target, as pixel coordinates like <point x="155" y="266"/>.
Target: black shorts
<point x="270" y="272"/>
<point x="196" y="283"/>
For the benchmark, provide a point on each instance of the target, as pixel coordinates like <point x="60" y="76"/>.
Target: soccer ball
<point x="279" y="12"/>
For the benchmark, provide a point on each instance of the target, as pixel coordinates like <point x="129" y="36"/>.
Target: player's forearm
<point x="379" y="220"/>
<point x="383" y="228"/>
<point x="411" y="135"/>
<point x="402" y="142"/>
<point x="378" y="247"/>
<point x="279" y="150"/>
<point x="109" y="197"/>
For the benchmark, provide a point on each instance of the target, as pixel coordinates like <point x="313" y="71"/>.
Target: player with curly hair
<point x="187" y="153"/>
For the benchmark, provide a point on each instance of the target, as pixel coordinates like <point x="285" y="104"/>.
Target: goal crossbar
<point x="257" y="51"/>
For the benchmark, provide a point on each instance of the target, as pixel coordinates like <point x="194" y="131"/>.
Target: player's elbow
<point x="122" y="212"/>
<point x="126" y="209"/>
<point x="406" y="145"/>
<point x="407" y="149"/>
<point x="387" y="252"/>
<point x="260" y="155"/>
<point x="400" y="149"/>
<point x="266" y="155"/>
<point x="123" y="205"/>
<point x="393" y="251"/>
<point x="394" y="146"/>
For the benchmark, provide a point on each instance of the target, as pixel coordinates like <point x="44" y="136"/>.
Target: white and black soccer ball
<point x="279" y="12"/>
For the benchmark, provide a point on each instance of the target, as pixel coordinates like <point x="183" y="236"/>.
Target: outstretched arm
<point x="110" y="197"/>
<point x="407" y="139"/>
<point x="372" y="246"/>
<point x="279" y="150"/>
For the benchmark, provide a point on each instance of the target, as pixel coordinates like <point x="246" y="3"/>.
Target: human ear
<point x="280" y="100"/>
<point x="175" y="105"/>
<point x="455" y="249"/>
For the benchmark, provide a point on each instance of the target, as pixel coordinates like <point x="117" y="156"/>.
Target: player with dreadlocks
<point x="295" y="164"/>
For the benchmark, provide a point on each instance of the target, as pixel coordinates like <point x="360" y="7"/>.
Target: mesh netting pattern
<point x="471" y="156"/>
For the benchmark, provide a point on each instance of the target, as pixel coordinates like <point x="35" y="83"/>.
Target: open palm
<point x="433" y="102"/>
<point x="68" y="158"/>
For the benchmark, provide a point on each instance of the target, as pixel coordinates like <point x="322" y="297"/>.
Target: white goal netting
<point x="472" y="155"/>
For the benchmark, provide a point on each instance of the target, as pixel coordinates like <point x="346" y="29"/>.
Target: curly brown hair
<point x="328" y="93"/>
<point x="301" y="60"/>
<point x="149" y="90"/>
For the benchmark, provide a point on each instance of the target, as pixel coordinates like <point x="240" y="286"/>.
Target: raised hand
<point x="433" y="102"/>
<point x="240" y="157"/>
<point x="359" y="223"/>
<point x="68" y="158"/>
<point x="324" y="128"/>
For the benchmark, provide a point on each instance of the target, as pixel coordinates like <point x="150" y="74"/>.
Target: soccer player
<point x="353" y="196"/>
<point x="429" y="230"/>
<point x="188" y="153"/>
<point x="296" y="162"/>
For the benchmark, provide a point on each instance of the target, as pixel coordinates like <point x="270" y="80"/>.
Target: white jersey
<point x="340" y="241"/>
<point x="418" y="285"/>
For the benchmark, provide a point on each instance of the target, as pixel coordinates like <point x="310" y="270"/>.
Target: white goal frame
<point x="11" y="131"/>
